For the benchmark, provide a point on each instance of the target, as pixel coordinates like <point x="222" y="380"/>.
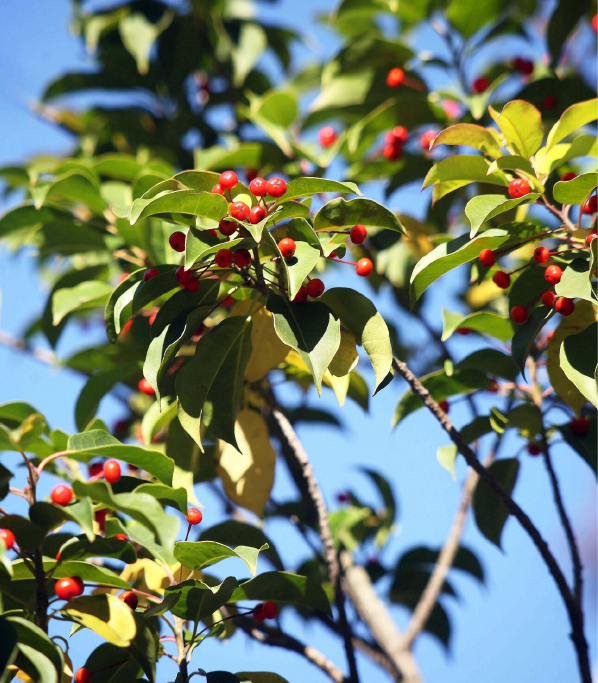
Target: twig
<point x="573" y="610"/>
<point x="274" y="637"/>
<point x="286" y="432"/>
<point x="16" y="344"/>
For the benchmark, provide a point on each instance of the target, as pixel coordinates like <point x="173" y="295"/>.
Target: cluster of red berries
<point x="393" y="143"/>
<point x="314" y="289"/>
<point x="265" y="610"/>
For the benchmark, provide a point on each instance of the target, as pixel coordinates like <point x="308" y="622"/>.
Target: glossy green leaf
<point x="75" y="187"/>
<point x="206" y="553"/>
<point x="34" y="637"/>
<point x="463" y="167"/>
<point x="305" y="187"/>
<point x="200" y="244"/>
<point x="299" y="266"/>
<point x="579" y="361"/>
<point x="469" y="135"/>
<point x="521" y="124"/>
<point x="175" y="497"/>
<point x="484" y="322"/>
<point x="35" y="665"/>
<point x="49" y="516"/>
<point x="563" y="21"/>
<point x="482" y="208"/>
<point x="492" y="362"/>
<point x="234" y="532"/>
<point x="197" y="600"/>
<point x="490" y="512"/>
<point x="446" y="456"/>
<point x="525" y="335"/>
<point x="96" y="387"/>
<point x="548" y="160"/>
<point x="211" y="392"/>
<point x="201" y="204"/>
<point x="585" y="445"/>
<point x="575" y="191"/>
<point x="85" y="295"/>
<point x="311" y="329"/>
<point x="260" y="677"/>
<point x="340" y="214"/>
<point x="81" y="548"/>
<point x="574" y="117"/>
<point x="284" y="588"/>
<point x="105" y="614"/>
<point x="575" y="281"/>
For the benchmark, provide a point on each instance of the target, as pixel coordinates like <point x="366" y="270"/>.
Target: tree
<point x="213" y="291"/>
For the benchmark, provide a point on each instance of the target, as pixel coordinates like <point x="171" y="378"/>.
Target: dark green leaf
<point x="490" y="512"/>
<point x="206" y="553"/>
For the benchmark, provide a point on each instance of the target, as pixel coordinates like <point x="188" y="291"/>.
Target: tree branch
<point x="285" y="431"/>
<point x="16" y="344"/>
<point x="268" y="635"/>
<point x="573" y="609"/>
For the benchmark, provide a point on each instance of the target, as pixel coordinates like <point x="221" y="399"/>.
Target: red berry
<point x="532" y="449"/>
<point x="83" y="676"/>
<point x="228" y="180"/>
<point x="400" y="133"/>
<point x="568" y="176"/>
<point x="518" y="188"/>
<point x="494" y="388"/>
<point x="552" y="275"/>
<point x="549" y="103"/>
<point x="227" y="228"/>
<point x="177" y="241"/>
<point x="444" y="406"/>
<point x="364" y="267"/>
<point x="8" y="538"/>
<point x="392" y="152"/>
<point x="62" y="494"/>
<point x="524" y="66"/>
<point x="315" y="288"/>
<point x="565" y="306"/>
<point x="579" y="425"/>
<point x="519" y="314"/>
<point x="501" y="279"/>
<point x="548" y="299"/>
<point x="242" y="258"/>
<point x="224" y="258"/>
<point x="591" y="236"/>
<point x="193" y="285"/>
<point x="250" y="174"/>
<point x="257" y="187"/>
<point x="270" y="610"/>
<point x="213" y="233"/>
<point x="591" y="205"/>
<point x="463" y="331"/>
<point x="257" y="214"/>
<point x="301" y="296"/>
<point x="239" y="210"/>
<point x="358" y="234"/>
<point x="541" y="254"/>
<point x="228" y="302"/>
<point x="427" y="139"/>
<point x="112" y="471"/>
<point x="95" y="468"/>
<point x="395" y="77"/>
<point x="343" y="497"/>
<point x="152" y="318"/>
<point x="287" y="247"/>
<point x="194" y="516"/>
<point x="276" y="187"/>
<point x="150" y="273"/>
<point x="327" y="136"/>
<point x="480" y="85"/>
<point x="145" y="387"/>
<point x="595" y="23"/>
<point x="183" y="276"/>
<point x="487" y="258"/>
<point x="121" y="537"/>
<point x="67" y="589"/>
<point x="130" y="598"/>
<point x="258" y="612"/>
<point x="218" y="189"/>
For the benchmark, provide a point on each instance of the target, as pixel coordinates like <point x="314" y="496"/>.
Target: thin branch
<point x="375" y="614"/>
<point x="573" y="610"/>
<point x="285" y="431"/>
<point x="16" y="344"/>
<point x="268" y="635"/>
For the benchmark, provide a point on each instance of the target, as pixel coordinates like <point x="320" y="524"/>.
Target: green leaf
<point x="144" y="646"/>
<point x="575" y="191"/>
<point x="35" y="665"/>
<point x="305" y="187"/>
<point x="198" y="600"/>
<point x="32" y="636"/>
<point x="490" y="512"/>
<point x="142" y="507"/>
<point x="468" y="168"/>
<point x="96" y="387"/>
<point x="468" y="17"/>
<point x="105" y="614"/>
<point x="359" y="315"/>
<point x="525" y="335"/>
<point x="233" y="532"/>
<point x="482" y="208"/>
<point x="139" y="35"/>
<point x="547" y="160"/>
<point x="521" y="124"/>
<point x="200" y="244"/>
<point x="470" y="135"/>
<point x="101" y="444"/>
<point x="491" y="362"/>
<point x="300" y="265"/>
<point x="465" y="560"/>
<point x="563" y="21"/>
<point x="50" y="516"/>
<point x="446" y="456"/>
<point x="206" y="553"/>
<point x="441" y="386"/>
<point x="260" y="677"/>
<point x="585" y="445"/>
<point x="89" y="573"/>
<point x="202" y="204"/>
<point x="75" y="187"/>
<point x="311" y="329"/>
<point x="156" y="418"/>
<point x="9" y="651"/>
<point x="527" y="418"/>
<point x="484" y="322"/>
<point x="449" y="255"/>
<point x="81" y="548"/>
<point x="574" y="117"/>
<point x="211" y="392"/>
<point x="81" y="297"/>
<point x="176" y="498"/>
<point x="575" y="282"/>
<point x="578" y="362"/>
<point x="339" y="214"/>
<point x="156" y="609"/>
<point x="283" y="588"/>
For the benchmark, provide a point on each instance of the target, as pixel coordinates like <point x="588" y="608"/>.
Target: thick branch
<point x="573" y="610"/>
<point x="285" y="431"/>
<point x="375" y="614"/>
<point x="274" y="637"/>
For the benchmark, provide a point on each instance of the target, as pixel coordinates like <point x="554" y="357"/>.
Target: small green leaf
<point x="200" y="244"/>
<point x="491" y="362"/>
<point x="521" y="124"/>
<point x="340" y="214"/>
<point x="81" y="548"/>
<point x="305" y="187"/>
<point x="90" y="294"/>
<point x="574" y="117"/>
<point x="578" y="362"/>
<point x="525" y="335"/>
<point x="463" y="167"/>
<point x="490" y="512"/>
<point x="470" y="135"/>
<point x="484" y="322"/>
<point x="482" y="208"/>
<point x="197" y="600"/>
<point x="206" y="553"/>
<point x="96" y="387"/>
<point x="201" y="204"/>
<point x="105" y="614"/>
<point x="446" y="456"/>
<point x="575" y="191"/>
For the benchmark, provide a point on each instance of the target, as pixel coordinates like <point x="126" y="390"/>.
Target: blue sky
<point x="515" y="627"/>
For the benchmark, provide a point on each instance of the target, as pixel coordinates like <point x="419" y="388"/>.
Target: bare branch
<point x="16" y="344"/>
<point x="573" y="609"/>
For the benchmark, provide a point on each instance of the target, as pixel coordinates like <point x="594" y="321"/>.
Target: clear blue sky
<point x="515" y="628"/>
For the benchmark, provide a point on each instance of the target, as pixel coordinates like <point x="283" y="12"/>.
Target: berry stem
<point x="533" y="238"/>
<point x="340" y="260"/>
